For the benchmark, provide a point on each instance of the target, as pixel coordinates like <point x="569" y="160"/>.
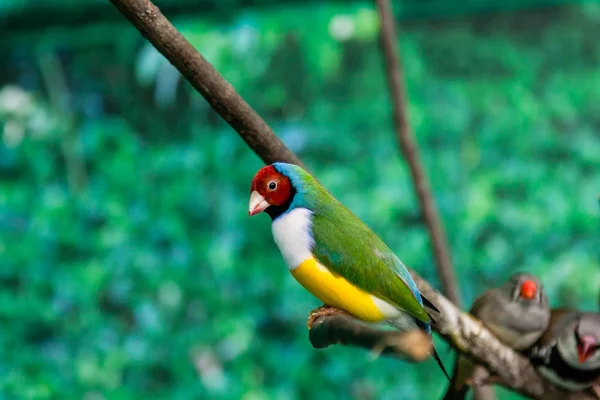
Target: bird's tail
<point x="457" y="390"/>
<point x="406" y="322"/>
<point x="434" y="353"/>
<point x="439" y="361"/>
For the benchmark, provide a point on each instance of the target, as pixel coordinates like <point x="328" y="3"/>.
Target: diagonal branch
<point x="409" y="149"/>
<point x="459" y="329"/>
<point x="221" y="96"/>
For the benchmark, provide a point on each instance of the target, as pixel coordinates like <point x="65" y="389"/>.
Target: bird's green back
<point x="347" y="247"/>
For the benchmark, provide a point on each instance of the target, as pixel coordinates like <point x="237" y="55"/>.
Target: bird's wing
<point x="498" y="313"/>
<point x="541" y="351"/>
<point x="480" y="305"/>
<point x="505" y="319"/>
<point x="559" y="319"/>
<point x="490" y="309"/>
<point x="347" y="247"/>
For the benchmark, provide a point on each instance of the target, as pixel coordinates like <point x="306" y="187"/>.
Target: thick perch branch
<point x="463" y="332"/>
<point x="468" y="335"/>
<point x="404" y="133"/>
<point x="329" y="326"/>
<point x="459" y="329"/>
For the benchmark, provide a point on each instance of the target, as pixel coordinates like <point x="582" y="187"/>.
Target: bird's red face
<point x="269" y="188"/>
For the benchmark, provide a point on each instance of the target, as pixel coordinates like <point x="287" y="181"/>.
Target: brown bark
<point x="329" y="326"/>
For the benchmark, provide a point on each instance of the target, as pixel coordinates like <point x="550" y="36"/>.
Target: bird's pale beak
<point x="257" y="203"/>
<point x="528" y="289"/>
<point x="586" y="348"/>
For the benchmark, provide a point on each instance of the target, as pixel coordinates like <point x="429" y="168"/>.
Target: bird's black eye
<point x="516" y="293"/>
<point x="272" y="185"/>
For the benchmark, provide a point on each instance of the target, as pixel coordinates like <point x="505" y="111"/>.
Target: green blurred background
<point x="128" y="265"/>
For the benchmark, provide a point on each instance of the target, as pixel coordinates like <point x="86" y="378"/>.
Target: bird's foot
<point x="482" y="377"/>
<point x="323" y="311"/>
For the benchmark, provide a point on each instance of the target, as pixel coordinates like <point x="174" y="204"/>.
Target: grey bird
<point x="516" y="312"/>
<point x="568" y="354"/>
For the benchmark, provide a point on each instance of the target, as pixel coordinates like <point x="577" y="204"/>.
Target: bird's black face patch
<point x="275" y="211"/>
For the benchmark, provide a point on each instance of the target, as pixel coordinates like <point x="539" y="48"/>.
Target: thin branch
<point x="55" y="82"/>
<point x="460" y="329"/>
<point x="409" y="149"/>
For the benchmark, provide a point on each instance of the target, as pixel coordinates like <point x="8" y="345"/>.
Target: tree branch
<point x="221" y="96"/>
<point x="459" y="329"/>
<point x="439" y="242"/>
<point x="463" y="332"/>
<point x="404" y="134"/>
<point x="329" y="326"/>
<point x="469" y="336"/>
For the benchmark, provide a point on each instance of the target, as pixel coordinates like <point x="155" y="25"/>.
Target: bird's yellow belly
<point x="336" y="291"/>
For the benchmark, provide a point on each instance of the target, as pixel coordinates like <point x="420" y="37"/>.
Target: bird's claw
<point x="322" y="311"/>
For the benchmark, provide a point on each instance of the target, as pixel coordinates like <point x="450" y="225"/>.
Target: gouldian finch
<point x="333" y="254"/>
<point x="568" y="354"/>
<point x="517" y="313"/>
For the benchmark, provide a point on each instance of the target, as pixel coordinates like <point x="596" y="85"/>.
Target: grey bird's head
<point x="517" y="312"/>
<point x="527" y="290"/>
<point x="579" y="342"/>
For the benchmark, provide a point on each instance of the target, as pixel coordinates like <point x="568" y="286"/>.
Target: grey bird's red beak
<point x="528" y="289"/>
<point x="257" y="203"/>
<point x="586" y="348"/>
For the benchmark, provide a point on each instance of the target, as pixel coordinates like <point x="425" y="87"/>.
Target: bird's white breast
<point x="292" y="234"/>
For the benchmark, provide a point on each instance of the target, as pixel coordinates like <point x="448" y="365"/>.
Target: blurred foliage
<point x="129" y="266"/>
<point x="13" y="7"/>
